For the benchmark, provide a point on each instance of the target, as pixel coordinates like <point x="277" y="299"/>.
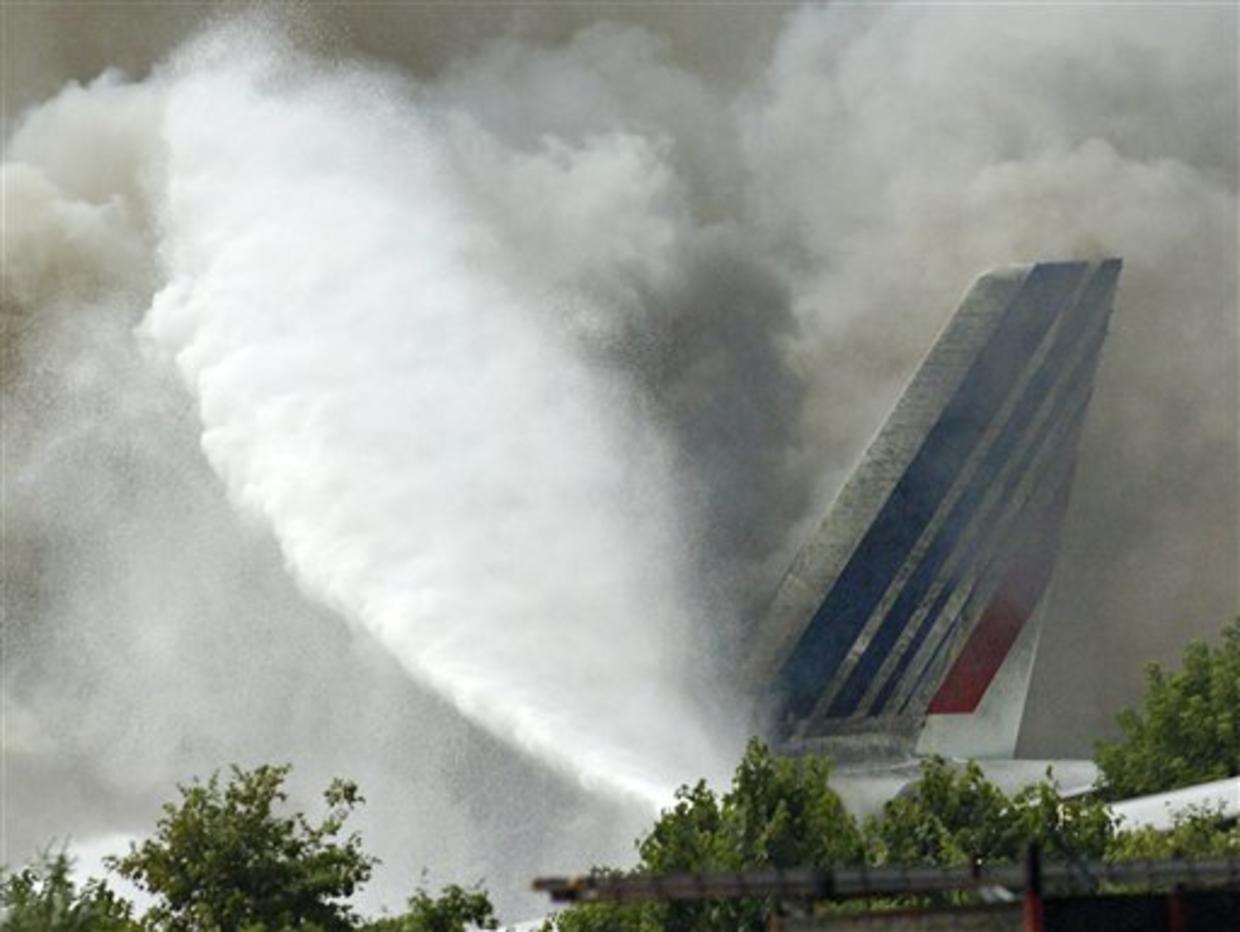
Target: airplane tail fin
<point x="910" y="620"/>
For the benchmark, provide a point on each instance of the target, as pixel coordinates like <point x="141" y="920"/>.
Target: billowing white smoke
<point x="536" y="368"/>
<point x="393" y="384"/>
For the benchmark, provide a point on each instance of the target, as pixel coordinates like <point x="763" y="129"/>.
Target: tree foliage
<point x="779" y="812"/>
<point x="953" y="815"/>
<point x="42" y="897"/>
<point x="224" y="858"/>
<point x="1188" y="730"/>
<point x="1196" y="835"/>
<point x="454" y="910"/>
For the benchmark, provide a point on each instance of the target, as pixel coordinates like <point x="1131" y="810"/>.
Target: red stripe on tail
<point x="1012" y="605"/>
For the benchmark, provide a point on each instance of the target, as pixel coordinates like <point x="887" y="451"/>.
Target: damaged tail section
<point x="910" y="620"/>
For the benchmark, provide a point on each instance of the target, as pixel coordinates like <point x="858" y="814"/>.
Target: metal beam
<point x="848" y="883"/>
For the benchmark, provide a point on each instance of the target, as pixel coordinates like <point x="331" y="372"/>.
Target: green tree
<point x="42" y="897"/>
<point x="1195" y="835"/>
<point x="1076" y="829"/>
<point x="779" y="812"/>
<point x="454" y="910"/>
<point x="953" y="815"/>
<point x="225" y="859"/>
<point x="950" y="816"/>
<point x="1188" y="730"/>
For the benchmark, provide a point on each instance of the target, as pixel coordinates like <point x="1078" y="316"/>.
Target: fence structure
<point x="1174" y="895"/>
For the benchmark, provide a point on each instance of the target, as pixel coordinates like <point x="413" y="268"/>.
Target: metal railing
<point x="854" y="882"/>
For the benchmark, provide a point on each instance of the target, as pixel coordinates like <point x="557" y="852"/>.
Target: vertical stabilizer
<point x="910" y="620"/>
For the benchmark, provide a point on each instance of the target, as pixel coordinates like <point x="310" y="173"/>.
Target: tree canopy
<point x="1188" y="729"/>
<point x="42" y="897"/>
<point x="454" y="910"/>
<point x="953" y="815"/>
<point x="224" y="858"/>
<point x="779" y="812"/>
<point x="1195" y="835"/>
<point x="227" y="857"/>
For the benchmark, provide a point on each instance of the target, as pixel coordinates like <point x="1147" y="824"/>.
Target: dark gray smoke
<point x="817" y="189"/>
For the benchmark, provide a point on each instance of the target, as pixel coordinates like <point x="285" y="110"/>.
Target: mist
<point x="431" y="397"/>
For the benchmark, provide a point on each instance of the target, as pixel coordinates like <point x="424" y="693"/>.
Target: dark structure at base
<point x="1150" y="896"/>
<point x="1196" y="911"/>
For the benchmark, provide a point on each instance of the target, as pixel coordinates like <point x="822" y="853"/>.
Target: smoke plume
<point x="432" y="396"/>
